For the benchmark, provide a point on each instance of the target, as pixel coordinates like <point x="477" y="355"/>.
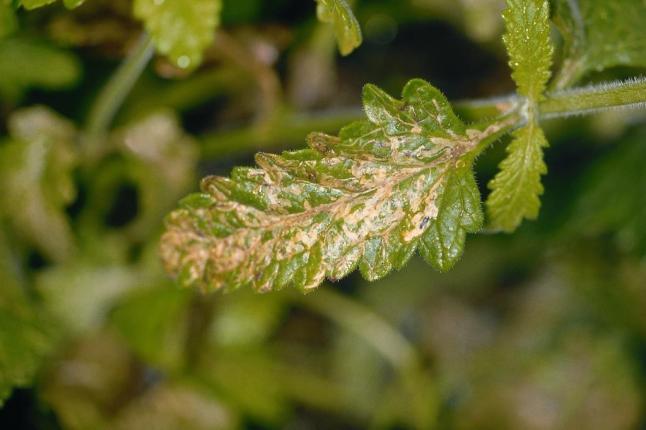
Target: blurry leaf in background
<point x="346" y="27"/>
<point x="8" y="21"/>
<point x="90" y="289"/>
<point x="181" y="29"/>
<point x="161" y="160"/>
<point x="33" y="4"/>
<point x="599" y="34"/>
<point x="158" y="335"/>
<point x="612" y="199"/>
<point x="479" y="19"/>
<point x="25" y="336"/>
<point x="172" y="406"/>
<point x="35" y="174"/>
<point x="85" y="384"/>
<point x="27" y="63"/>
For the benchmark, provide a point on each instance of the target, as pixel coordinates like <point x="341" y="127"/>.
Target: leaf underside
<point x="400" y="181"/>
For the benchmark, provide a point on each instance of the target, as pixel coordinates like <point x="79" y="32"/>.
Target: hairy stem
<point x="115" y="92"/>
<point x="596" y="98"/>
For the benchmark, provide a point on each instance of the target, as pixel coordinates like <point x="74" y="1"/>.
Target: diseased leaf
<point x="599" y="34"/>
<point x="611" y="199"/>
<point x="528" y="44"/>
<point x="346" y="27"/>
<point x="181" y="29"/>
<point x="33" y="4"/>
<point x="26" y="63"/>
<point x="364" y="199"/>
<point x="35" y="176"/>
<point x="516" y="189"/>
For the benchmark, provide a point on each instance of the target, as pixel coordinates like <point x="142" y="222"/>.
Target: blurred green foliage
<point x="542" y="329"/>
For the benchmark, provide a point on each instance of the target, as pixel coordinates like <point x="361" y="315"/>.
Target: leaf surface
<point x="599" y="34"/>
<point x="365" y="199"/>
<point x="517" y="188"/>
<point x="35" y="176"/>
<point x="181" y="29"/>
<point x="527" y="39"/>
<point x="8" y="21"/>
<point x="346" y="27"/>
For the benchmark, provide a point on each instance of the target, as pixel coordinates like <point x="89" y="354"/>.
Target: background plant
<point x="94" y="155"/>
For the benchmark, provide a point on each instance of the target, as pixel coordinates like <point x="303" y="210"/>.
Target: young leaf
<point x="33" y="4"/>
<point x="346" y="27"/>
<point x="528" y="44"/>
<point x="516" y="189"/>
<point x="517" y="186"/>
<point x="599" y="34"/>
<point x="181" y="29"/>
<point x="365" y="199"/>
<point x="35" y="176"/>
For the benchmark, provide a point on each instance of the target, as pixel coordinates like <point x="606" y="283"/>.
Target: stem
<point x="598" y="98"/>
<point x="112" y="96"/>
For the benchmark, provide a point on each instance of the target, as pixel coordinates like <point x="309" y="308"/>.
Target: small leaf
<point x="599" y="34"/>
<point x="181" y="29"/>
<point x="364" y="199"/>
<point x="26" y="63"/>
<point x="346" y="27"/>
<point x="35" y="176"/>
<point x="33" y="4"/>
<point x="517" y="186"/>
<point x="528" y="44"/>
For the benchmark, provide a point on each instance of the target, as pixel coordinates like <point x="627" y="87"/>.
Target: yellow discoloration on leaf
<point x="365" y="199"/>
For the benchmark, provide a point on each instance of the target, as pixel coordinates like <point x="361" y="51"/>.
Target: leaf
<point x="161" y="160"/>
<point x="33" y="4"/>
<point x="346" y="27"/>
<point x="364" y="199"/>
<point x="26" y="63"/>
<point x="517" y="186"/>
<point x="35" y="176"/>
<point x="181" y="29"/>
<point x="24" y="337"/>
<point x="599" y="34"/>
<point x="528" y="44"/>
<point x="8" y="21"/>
<point x="610" y="199"/>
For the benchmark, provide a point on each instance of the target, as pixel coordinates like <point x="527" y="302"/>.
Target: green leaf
<point x="8" y="21"/>
<point x="26" y="63"/>
<point x="33" y="4"/>
<point x="181" y="29"/>
<point x="516" y="189"/>
<point x="610" y="199"/>
<point x="346" y="27"/>
<point x="24" y="337"/>
<point x="528" y="44"/>
<point x="599" y="34"/>
<point x="364" y="199"/>
<point x="35" y="176"/>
